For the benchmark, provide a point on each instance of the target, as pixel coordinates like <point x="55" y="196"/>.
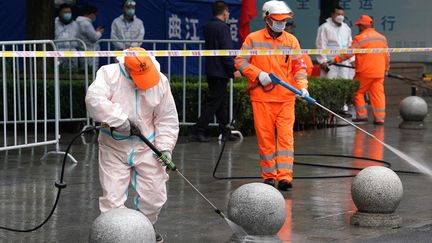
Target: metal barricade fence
<point x="29" y="101"/>
<point x="169" y="45"/>
<point x="73" y="69"/>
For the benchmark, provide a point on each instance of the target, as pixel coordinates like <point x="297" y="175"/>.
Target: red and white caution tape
<point x="197" y="53"/>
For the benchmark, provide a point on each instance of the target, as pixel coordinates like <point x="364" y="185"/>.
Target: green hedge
<point x="330" y="93"/>
<point x="78" y="94"/>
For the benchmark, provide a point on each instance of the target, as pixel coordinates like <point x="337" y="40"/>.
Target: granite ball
<point x="377" y="189"/>
<point x="122" y="225"/>
<point x="258" y="208"/>
<point x="413" y="108"/>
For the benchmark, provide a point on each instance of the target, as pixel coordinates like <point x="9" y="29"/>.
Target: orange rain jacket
<point x="368" y="65"/>
<point x="291" y="69"/>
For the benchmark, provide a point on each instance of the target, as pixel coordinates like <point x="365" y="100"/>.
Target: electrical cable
<point x="60" y="185"/>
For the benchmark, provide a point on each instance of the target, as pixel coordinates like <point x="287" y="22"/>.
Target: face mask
<point x="339" y="19"/>
<point x="278" y="26"/>
<point x="67" y="17"/>
<point x="130" y="12"/>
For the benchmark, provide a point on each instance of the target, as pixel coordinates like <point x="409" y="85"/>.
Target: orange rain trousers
<point x="375" y="89"/>
<point x="274" y="129"/>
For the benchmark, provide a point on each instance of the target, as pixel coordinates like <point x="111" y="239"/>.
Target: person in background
<point x="87" y="32"/>
<point x="66" y="29"/>
<point x="370" y="70"/>
<point x="127" y="27"/>
<point x="219" y="70"/>
<point x="334" y="34"/>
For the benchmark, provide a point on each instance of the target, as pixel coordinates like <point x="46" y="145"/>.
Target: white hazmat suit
<point x="66" y="31"/>
<point x="88" y="33"/>
<point x="112" y="98"/>
<point x="332" y="36"/>
<point x="122" y="29"/>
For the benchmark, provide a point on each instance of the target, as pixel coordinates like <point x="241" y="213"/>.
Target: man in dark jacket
<point x="219" y="70"/>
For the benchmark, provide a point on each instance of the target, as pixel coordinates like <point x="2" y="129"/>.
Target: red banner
<point x="248" y="12"/>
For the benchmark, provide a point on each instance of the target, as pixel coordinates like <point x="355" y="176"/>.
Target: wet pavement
<point x="318" y="210"/>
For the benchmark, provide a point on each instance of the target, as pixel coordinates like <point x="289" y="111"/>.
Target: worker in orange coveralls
<point x="371" y="68"/>
<point x="273" y="106"/>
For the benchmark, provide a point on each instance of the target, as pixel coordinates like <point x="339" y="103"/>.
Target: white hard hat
<point x="278" y="10"/>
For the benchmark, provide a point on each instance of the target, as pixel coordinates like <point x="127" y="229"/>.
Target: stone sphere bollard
<point x="258" y="208"/>
<point x="376" y="192"/>
<point x="413" y="110"/>
<point x="122" y="225"/>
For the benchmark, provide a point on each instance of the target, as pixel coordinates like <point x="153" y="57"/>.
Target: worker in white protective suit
<point x="334" y="34"/>
<point x="127" y="27"/>
<point x="66" y="30"/>
<point x="87" y="32"/>
<point x="133" y="92"/>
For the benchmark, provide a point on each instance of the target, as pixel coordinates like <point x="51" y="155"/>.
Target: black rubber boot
<point x="270" y="181"/>
<point x="284" y="185"/>
<point x="228" y="136"/>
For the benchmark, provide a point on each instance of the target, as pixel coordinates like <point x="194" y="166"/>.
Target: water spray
<point x="311" y="100"/>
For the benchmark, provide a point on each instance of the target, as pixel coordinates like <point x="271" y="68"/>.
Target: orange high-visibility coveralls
<point x="273" y="110"/>
<point x="370" y="71"/>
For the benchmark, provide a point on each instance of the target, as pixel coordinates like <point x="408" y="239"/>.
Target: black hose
<point x="60" y="185"/>
<point x="387" y="164"/>
<point x="383" y="162"/>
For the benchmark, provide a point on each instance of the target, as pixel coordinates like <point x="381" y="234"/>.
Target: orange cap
<point x="142" y="70"/>
<point x="281" y="17"/>
<point x="364" y="20"/>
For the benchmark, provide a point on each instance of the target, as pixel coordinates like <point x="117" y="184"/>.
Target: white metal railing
<point x="71" y="66"/>
<point x="168" y="44"/>
<point x="26" y="98"/>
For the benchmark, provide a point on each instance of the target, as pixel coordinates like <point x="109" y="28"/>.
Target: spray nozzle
<point x="167" y="162"/>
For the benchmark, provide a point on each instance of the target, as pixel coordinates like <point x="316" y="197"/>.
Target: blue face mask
<point x="278" y="26"/>
<point x="67" y="16"/>
<point x="130" y="12"/>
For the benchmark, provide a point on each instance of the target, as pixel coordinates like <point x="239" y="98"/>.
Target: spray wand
<point x="135" y="131"/>
<point x="311" y="100"/>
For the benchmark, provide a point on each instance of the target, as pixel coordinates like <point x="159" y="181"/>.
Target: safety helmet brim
<point x="281" y="17"/>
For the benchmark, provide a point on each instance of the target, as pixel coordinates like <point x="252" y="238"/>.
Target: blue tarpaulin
<point x="163" y="20"/>
<point x="13" y="19"/>
<point x="169" y="20"/>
